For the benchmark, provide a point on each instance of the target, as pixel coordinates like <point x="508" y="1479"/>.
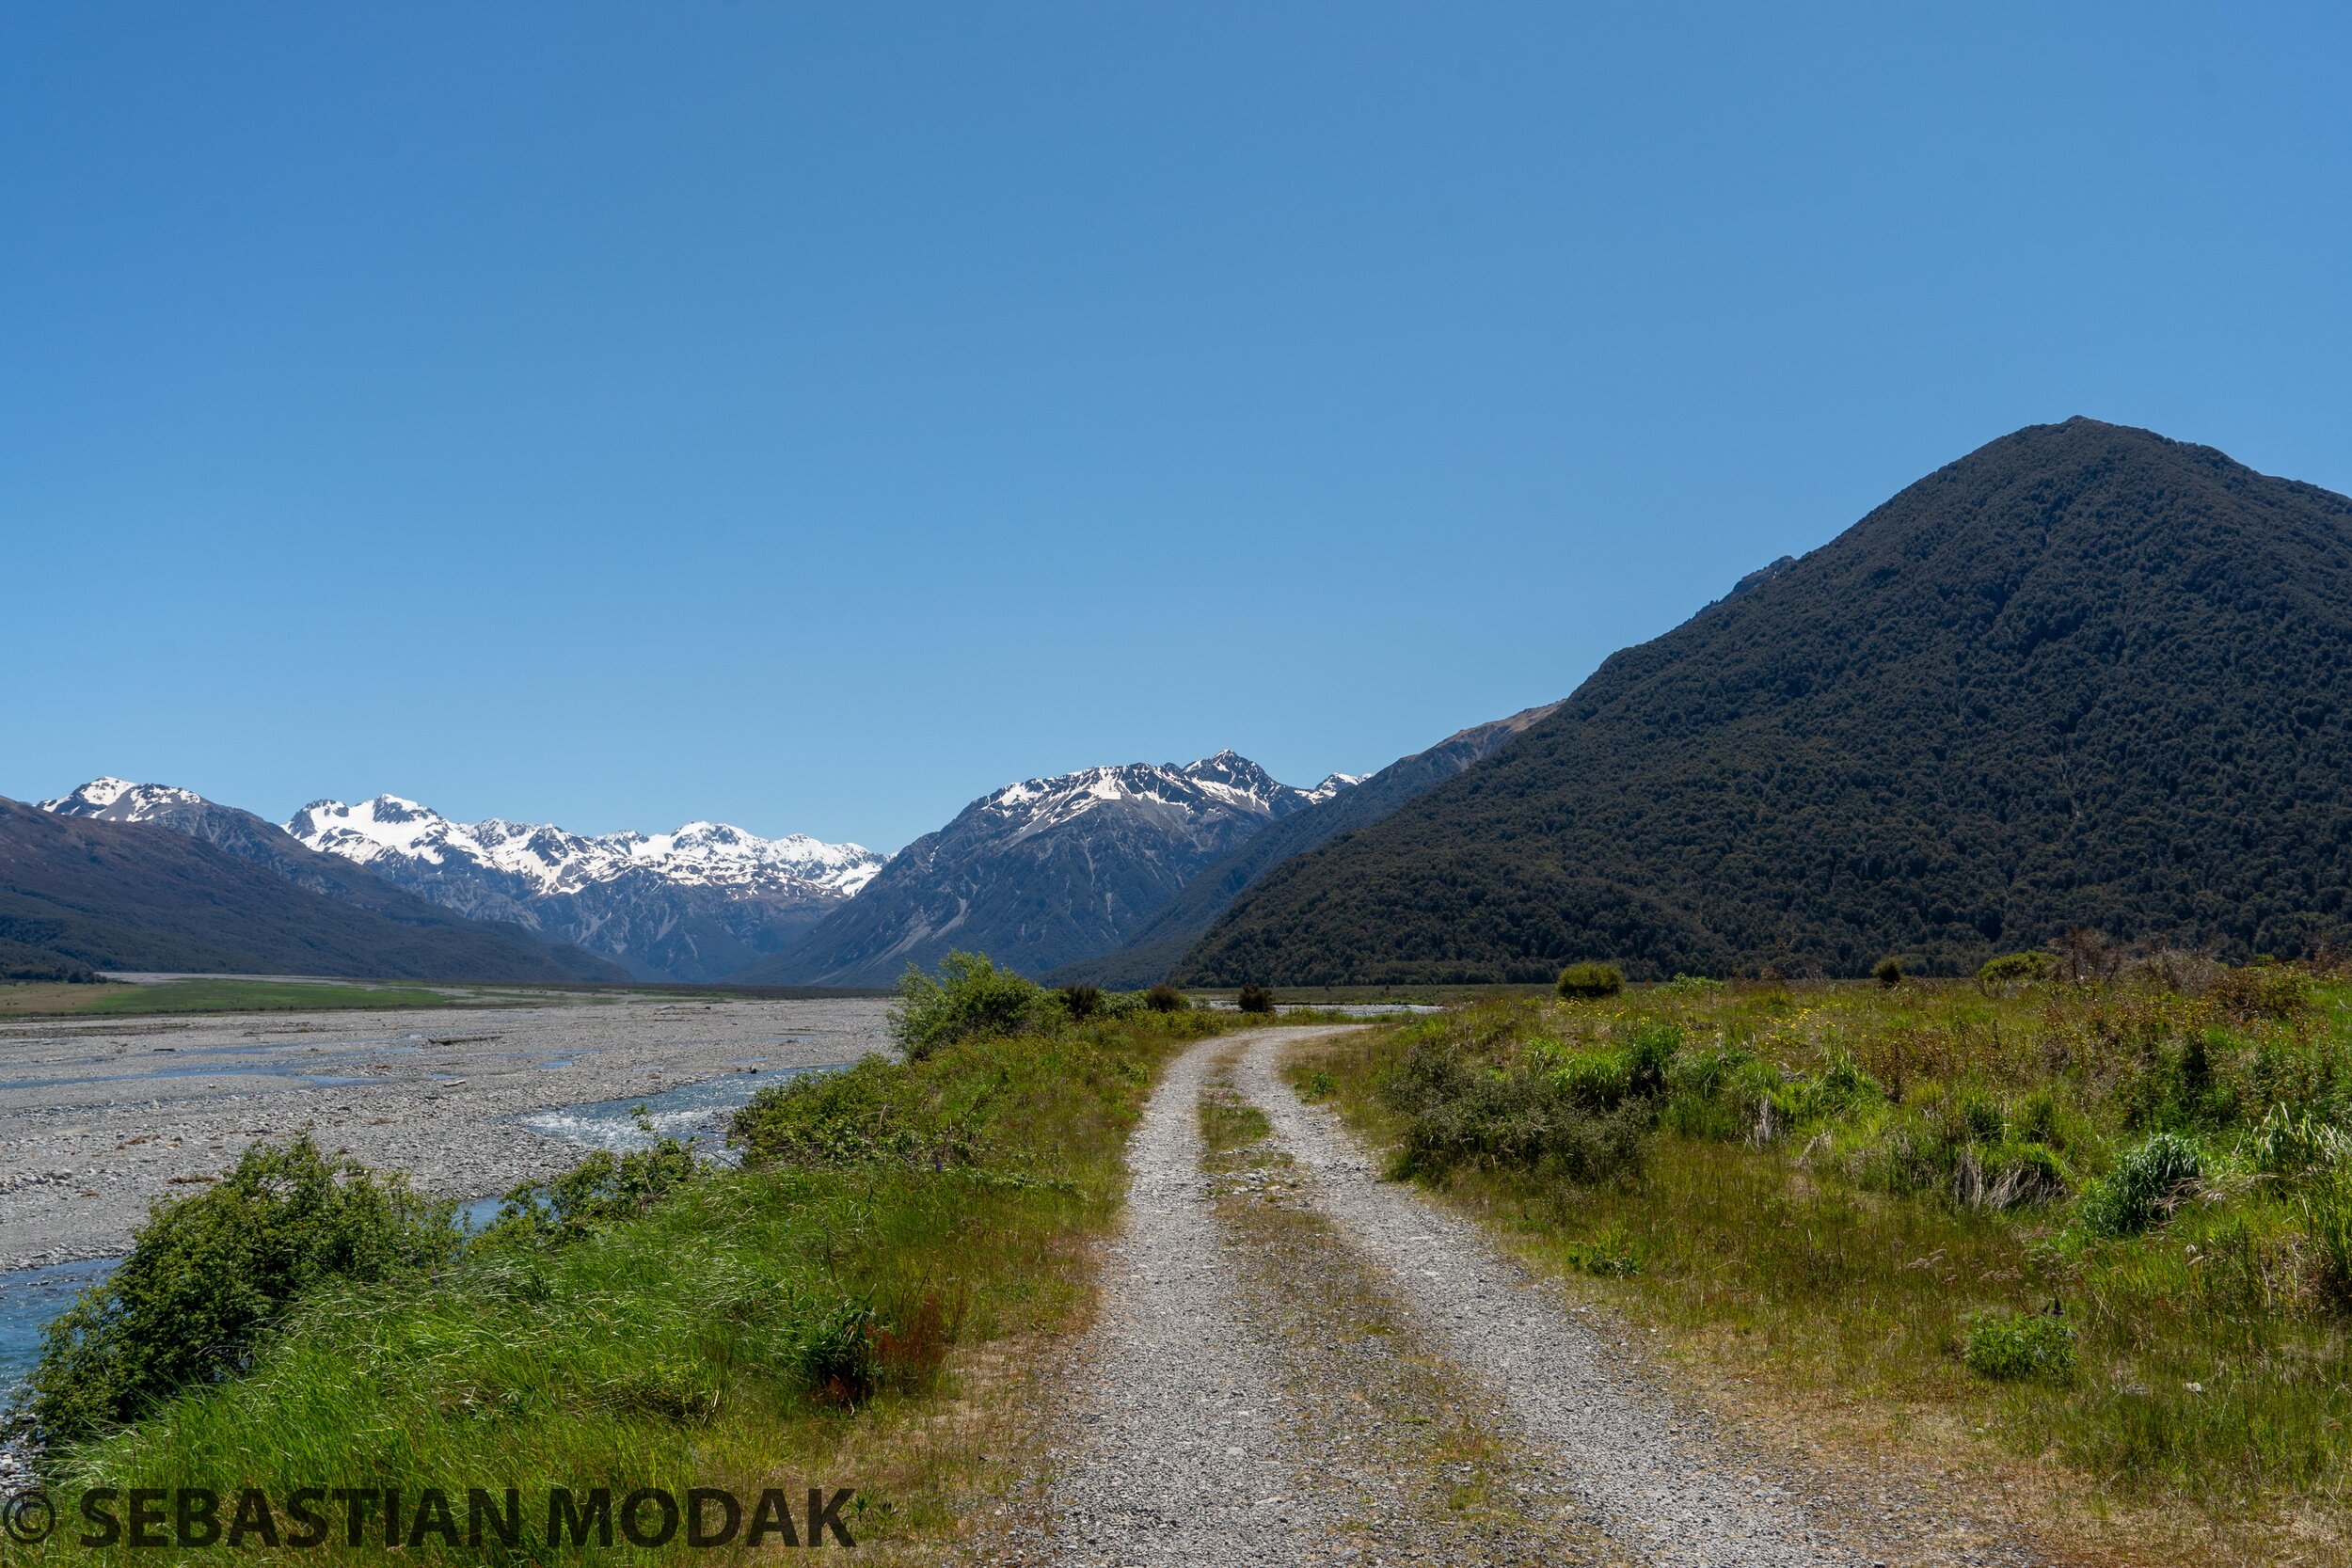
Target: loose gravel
<point x="1176" y="1450"/>
<point x="98" y="1117"/>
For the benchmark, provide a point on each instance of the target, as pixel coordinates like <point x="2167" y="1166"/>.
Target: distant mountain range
<point x="698" y="904"/>
<point x="1160" y="943"/>
<point x="2084" y="675"/>
<point x="206" y="888"/>
<point x="1048" y="871"/>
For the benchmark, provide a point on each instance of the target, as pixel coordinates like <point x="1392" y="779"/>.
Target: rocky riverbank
<point x="99" y="1119"/>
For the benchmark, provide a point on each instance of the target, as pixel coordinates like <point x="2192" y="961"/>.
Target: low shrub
<point x="1603" y="1080"/>
<point x="2144" y="1187"/>
<point x="1164" y="998"/>
<point x="1888" y="972"/>
<point x="866" y="1115"/>
<point x="1595" y="1080"/>
<point x="1080" y="1002"/>
<point x="2035" y="1119"/>
<point x="598" y="1193"/>
<point x="832" y="1352"/>
<point x="1590" y="981"/>
<point x="2012" y="1347"/>
<point x="1255" y="999"/>
<point x="1690" y="985"/>
<point x="2009" y="1176"/>
<point x="971" y="997"/>
<point x="1608" y="1256"/>
<point x="1464" y="1115"/>
<point x="2261" y="991"/>
<point x="207" y="1275"/>
<point x="2012" y="969"/>
<point x="1319" y="1085"/>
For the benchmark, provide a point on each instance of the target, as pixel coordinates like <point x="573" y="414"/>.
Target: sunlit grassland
<point x="2203" y="1415"/>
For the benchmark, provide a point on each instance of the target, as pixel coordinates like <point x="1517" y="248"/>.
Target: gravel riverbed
<point x="100" y="1117"/>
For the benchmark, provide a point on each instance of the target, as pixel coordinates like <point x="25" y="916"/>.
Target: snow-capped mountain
<point x="700" y="854"/>
<point x="397" y="932"/>
<point x="1044" y="871"/>
<point x="696" y="904"/>
<point x="120" y="801"/>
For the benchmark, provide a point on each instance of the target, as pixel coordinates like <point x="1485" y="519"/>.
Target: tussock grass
<point x="2051" y="1219"/>
<point x="699" y="1343"/>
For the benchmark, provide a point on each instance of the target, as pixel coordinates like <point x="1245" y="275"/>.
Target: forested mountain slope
<point x="2083" y="675"/>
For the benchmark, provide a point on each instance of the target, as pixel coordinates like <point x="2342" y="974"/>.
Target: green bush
<point x="1463" y="1114"/>
<point x="866" y="1115"/>
<point x="209" y="1274"/>
<point x="1608" y="1256"/>
<point x="1649" y="1056"/>
<point x="1690" y="985"/>
<point x="598" y="1193"/>
<point x="2009" y="1176"/>
<point x="2143" y="1188"/>
<point x="1888" y="972"/>
<point x="1595" y="1080"/>
<point x="1164" y="998"/>
<point x="2011" y="970"/>
<point x="2034" y="1120"/>
<point x="1587" y="981"/>
<point x="832" y="1352"/>
<point x="2014" y="1347"/>
<point x="971" y="998"/>
<point x="1080" y="1002"/>
<point x="1603" y="1080"/>
<point x="1255" y="999"/>
<point x="2263" y="991"/>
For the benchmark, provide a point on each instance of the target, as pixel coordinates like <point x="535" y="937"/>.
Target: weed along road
<point x="1296" y="1362"/>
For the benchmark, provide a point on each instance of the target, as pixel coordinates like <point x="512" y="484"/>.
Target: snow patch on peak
<point x="114" y="800"/>
<point x="546" y="858"/>
<point x="1227" y="781"/>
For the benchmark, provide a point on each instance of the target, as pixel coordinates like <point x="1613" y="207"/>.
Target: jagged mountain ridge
<point x="1046" y="871"/>
<point x="2084" y="675"/>
<point x="79" y="892"/>
<point x="694" y="905"/>
<point x="1161" y="943"/>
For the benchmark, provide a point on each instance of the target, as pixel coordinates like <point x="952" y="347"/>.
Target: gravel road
<point x="1178" y="1454"/>
<point x="1226" y="1413"/>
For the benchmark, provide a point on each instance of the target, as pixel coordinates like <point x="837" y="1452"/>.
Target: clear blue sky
<point x="813" y="416"/>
